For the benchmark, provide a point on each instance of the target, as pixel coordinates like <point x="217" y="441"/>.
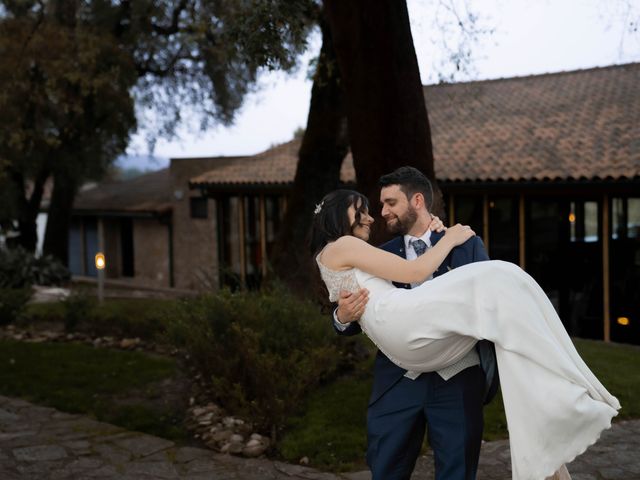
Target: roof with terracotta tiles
<point x="566" y="126"/>
<point x="274" y="166"/>
<point x="580" y="125"/>
<point x="149" y="193"/>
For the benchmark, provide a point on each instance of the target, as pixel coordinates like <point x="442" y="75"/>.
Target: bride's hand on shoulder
<point x="436" y="224"/>
<point x="458" y="234"/>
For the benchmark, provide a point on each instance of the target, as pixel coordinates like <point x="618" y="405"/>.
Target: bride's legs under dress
<point x="561" y="474"/>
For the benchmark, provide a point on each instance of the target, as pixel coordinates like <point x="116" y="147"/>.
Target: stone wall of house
<point x="151" y="252"/>
<point x="195" y="242"/>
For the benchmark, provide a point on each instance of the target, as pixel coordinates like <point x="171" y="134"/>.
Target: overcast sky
<point x="530" y="37"/>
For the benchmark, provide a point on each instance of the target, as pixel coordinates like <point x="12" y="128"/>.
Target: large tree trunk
<point x="28" y="205"/>
<point x="56" y="238"/>
<point x="388" y="123"/>
<point x="324" y="147"/>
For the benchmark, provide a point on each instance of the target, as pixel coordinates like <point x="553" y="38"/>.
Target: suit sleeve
<point x="479" y="253"/>
<point x="347" y="330"/>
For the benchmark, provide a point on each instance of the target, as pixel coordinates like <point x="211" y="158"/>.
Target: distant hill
<point x="142" y="162"/>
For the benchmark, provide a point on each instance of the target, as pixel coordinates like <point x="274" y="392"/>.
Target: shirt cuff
<point x="339" y="325"/>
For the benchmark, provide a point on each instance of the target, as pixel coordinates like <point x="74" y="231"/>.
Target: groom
<point x="402" y="404"/>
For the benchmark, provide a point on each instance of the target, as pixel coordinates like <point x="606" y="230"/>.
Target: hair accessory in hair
<point x="318" y="208"/>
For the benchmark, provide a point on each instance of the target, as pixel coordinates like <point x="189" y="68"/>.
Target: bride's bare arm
<point x="349" y="251"/>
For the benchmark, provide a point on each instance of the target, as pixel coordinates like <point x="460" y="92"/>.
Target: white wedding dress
<point x="555" y="406"/>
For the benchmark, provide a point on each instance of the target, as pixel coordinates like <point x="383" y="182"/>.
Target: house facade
<point x="545" y="168"/>
<point x="155" y="231"/>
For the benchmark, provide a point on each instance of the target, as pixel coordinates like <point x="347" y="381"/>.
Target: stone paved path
<point x="43" y="444"/>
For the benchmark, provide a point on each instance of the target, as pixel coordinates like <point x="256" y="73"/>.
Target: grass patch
<point x="42" y="312"/>
<point x="331" y="431"/>
<point x="128" y="317"/>
<point x="617" y="366"/>
<point x="124" y="388"/>
<point x="331" y="428"/>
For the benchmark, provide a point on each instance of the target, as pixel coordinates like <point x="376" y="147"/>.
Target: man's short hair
<point x="411" y="181"/>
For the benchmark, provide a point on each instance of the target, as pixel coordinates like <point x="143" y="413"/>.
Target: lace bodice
<point x="337" y="280"/>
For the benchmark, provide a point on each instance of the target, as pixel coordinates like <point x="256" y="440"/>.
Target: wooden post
<point x="263" y="235"/>
<point x="605" y="269"/>
<point x="521" y="232"/>
<point x="452" y="210"/>
<point x="485" y="222"/>
<point x="101" y="271"/>
<point x="241" y="233"/>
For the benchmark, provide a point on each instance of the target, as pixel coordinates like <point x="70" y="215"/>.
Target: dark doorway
<point x="126" y="247"/>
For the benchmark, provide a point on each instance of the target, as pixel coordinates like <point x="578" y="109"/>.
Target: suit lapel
<point x="446" y="265"/>
<point x="397" y="246"/>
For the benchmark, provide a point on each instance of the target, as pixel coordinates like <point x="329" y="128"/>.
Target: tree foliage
<point x="74" y="71"/>
<point x="65" y="106"/>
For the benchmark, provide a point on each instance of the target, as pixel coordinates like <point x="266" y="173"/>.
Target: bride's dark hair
<point x="331" y="220"/>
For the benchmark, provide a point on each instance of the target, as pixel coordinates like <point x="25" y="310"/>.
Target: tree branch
<point x="175" y="18"/>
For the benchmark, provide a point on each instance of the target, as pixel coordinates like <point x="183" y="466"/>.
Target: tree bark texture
<point x="324" y="147"/>
<point x="56" y="237"/>
<point x="387" y="116"/>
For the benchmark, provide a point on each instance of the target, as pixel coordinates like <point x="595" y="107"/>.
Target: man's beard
<point x="404" y="223"/>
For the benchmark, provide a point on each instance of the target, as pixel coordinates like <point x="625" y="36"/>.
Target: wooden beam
<point x="84" y="268"/>
<point x="241" y="233"/>
<point x="605" y="269"/>
<point x="263" y="236"/>
<point x="522" y="232"/>
<point x="452" y="210"/>
<point x="485" y="222"/>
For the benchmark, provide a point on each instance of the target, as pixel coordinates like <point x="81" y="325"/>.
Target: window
<point x="626" y="218"/>
<point x="76" y="247"/>
<point x="583" y="221"/>
<point x="503" y="229"/>
<point x="625" y="269"/>
<point x="199" y="207"/>
<point x="242" y="249"/>
<point x="468" y="211"/>
<point x="91" y="245"/>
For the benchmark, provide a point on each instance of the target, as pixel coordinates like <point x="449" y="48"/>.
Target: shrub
<point x="20" y="269"/>
<point x="262" y="352"/>
<point x="78" y="307"/>
<point x="132" y="317"/>
<point x="12" y="303"/>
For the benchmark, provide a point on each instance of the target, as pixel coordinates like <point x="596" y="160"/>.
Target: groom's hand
<point x="351" y="305"/>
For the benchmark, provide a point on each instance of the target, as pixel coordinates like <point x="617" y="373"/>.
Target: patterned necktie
<point x="418" y="246"/>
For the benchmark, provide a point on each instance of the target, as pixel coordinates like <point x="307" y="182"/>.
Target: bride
<point x="555" y="406"/>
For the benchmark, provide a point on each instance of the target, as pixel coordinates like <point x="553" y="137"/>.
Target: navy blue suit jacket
<point x="387" y="373"/>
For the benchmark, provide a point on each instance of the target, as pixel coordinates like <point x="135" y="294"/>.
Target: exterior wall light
<point x="101" y="262"/>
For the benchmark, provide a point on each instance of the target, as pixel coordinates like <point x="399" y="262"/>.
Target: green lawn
<point x="130" y="317"/>
<point x="138" y="391"/>
<point x="331" y="428"/>
<point x="124" y="388"/>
